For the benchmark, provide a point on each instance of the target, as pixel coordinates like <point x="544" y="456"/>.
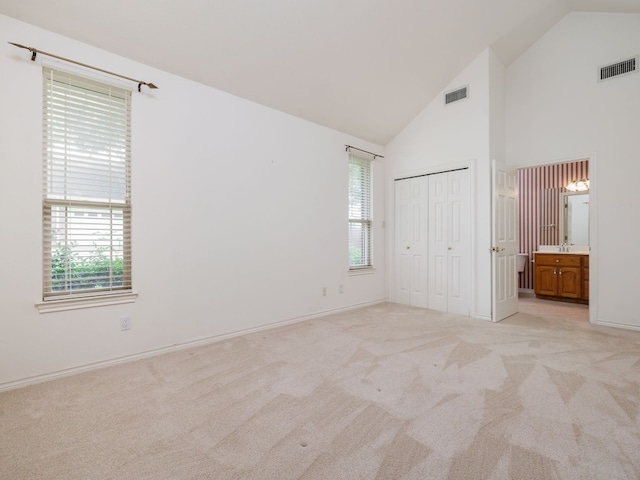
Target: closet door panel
<point x="437" y="248"/>
<point x="402" y="287"/>
<point x="459" y="242"/>
<point x="411" y="200"/>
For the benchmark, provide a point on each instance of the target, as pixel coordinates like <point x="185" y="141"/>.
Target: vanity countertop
<point x="573" y="249"/>
<point x="560" y="253"/>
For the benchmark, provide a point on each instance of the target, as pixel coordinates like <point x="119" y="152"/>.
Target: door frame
<point x="390" y="223"/>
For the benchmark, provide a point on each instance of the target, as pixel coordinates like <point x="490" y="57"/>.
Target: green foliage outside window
<point x="71" y="271"/>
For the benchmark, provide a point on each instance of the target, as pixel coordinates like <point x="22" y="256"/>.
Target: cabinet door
<point x="569" y="282"/>
<point x="546" y="281"/>
<point x="585" y="282"/>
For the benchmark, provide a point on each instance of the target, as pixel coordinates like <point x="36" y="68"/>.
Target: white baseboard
<point x="12" y="385"/>
<point x="624" y="326"/>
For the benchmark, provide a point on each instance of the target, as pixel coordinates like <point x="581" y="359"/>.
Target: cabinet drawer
<point x="563" y="260"/>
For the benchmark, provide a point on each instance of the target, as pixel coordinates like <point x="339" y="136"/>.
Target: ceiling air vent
<point x="624" y="67"/>
<point x="456" y="95"/>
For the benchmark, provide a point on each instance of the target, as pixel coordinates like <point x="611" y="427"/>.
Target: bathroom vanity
<point x="562" y="276"/>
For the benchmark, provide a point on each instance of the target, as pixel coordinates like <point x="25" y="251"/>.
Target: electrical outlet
<point x="125" y="323"/>
<point x="324" y="291"/>
<point x="340" y="289"/>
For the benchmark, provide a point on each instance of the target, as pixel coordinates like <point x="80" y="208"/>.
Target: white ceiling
<point x="364" y="67"/>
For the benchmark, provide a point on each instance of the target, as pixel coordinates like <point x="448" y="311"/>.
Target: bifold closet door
<point x="411" y="204"/>
<point x="449" y="242"/>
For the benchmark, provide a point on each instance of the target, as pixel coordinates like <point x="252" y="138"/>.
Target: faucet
<point x="564" y="247"/>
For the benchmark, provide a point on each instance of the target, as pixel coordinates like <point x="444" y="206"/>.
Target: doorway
<point x="542" y="191"/>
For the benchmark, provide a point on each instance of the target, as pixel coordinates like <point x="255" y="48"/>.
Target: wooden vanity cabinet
<point x="585" y="278"/>
<point x="562" y="276"/>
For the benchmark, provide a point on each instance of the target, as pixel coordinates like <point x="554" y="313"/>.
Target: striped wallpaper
<point x="539" y="207"/>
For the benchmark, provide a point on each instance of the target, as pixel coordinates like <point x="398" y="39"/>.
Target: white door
<point x="504" y="249"/>
<point x="459" y="243"/>
<point x="449" y="242"/>
<point x="411" y="241"/>
<point x="438" y="242"/>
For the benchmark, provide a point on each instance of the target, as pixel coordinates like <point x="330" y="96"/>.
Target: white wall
<point x="239" y="211"/>
<point x="497" y="108"/>
<point x="437" y="139"/>
<point x="557" y="110"/>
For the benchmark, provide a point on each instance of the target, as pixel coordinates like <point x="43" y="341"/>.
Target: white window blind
<point x="360" y="212"/>
<point x="86" y="187"/>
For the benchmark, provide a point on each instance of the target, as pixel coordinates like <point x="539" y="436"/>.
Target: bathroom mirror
<point x="574" y="218"/>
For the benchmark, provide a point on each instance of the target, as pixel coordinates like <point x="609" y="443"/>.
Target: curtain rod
<point x="34" y="52"/>
<point x="375" y="155"/>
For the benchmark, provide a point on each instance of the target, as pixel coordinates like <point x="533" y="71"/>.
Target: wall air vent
<point x="456" y="95"/>
<point x="624" y="67"/>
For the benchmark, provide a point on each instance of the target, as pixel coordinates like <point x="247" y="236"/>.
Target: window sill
<point x="85" y="302"/>
<point x="362" y="271"/>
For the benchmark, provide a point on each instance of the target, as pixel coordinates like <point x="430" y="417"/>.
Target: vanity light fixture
<point x="581" y="185"/>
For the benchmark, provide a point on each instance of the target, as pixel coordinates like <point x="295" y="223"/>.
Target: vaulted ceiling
<point x="364" y="67"/>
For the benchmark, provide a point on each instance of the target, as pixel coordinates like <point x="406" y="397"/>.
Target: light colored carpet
<point x="384" y="392"/>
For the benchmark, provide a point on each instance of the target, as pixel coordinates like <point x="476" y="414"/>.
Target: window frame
<point x="105" y="193"/>
<point x="361" y="213"/>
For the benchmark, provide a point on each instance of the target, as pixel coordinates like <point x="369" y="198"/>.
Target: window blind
<point x="86" y="186"/>
<point x="360" y="212"/>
